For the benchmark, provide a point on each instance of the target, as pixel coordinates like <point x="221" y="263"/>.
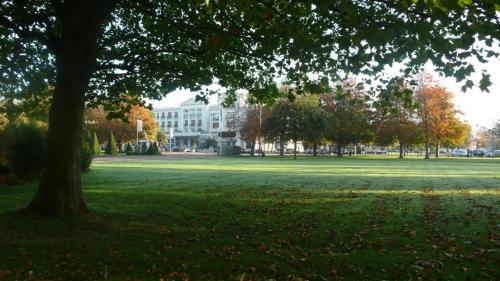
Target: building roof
<point x="191" y="101"/>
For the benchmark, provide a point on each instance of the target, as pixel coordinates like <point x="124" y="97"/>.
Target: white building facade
<point x="194" y="124"/>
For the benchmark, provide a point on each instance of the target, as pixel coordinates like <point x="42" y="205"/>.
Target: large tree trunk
<point x="60" y="188"/>
<point x="437" y="150"/>
<point x="339" y="150"/>
<point x="315" y="150"/>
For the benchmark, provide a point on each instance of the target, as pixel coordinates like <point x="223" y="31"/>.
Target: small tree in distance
<point x="439" y="116"/>
<point x="111" y="148"/>
<point x="397" y="115"/>
<point x="153" y="149"/>
<point x="349" y="115"/>
<point x="251" y="127"/>
<point x="96" y="147"/>
<point x="315" y="120"/>
<point x="275" y="128"/>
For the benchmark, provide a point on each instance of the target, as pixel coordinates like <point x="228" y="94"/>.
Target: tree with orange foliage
<point x="439" y="117"/>
<point x="124" y="130"/>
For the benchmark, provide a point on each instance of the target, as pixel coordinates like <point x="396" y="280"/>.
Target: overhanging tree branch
<point x="23" y="33"/>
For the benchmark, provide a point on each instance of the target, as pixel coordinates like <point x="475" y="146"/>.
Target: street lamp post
<point x="260" y="129"/>
<point x="492" y="140"/>
<point x="138" y="129"/>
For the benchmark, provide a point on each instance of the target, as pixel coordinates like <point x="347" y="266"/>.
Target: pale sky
<point x="480" y="109"/>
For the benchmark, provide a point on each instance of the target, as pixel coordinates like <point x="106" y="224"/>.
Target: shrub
<point x="25" y="149"/>
<point x="153" y="149"/>
<point x="4" y="163"/>
<point x="96" y="147"/>
<point x="86" y="152"/>
<point x="157" y="149"/>
<point x="128" y="149"/>
<point x="111" y="148"/>
<point x="209" y="143"/>
<point x="144" y="148"/>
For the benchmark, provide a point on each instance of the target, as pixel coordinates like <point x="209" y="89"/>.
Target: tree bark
<point x="315" y="150"/>
<point x="282" y="148"/>
<point x="60" y="188"/>
<point x="437" y="150"/>
<point x="339" y="150"/>
<point x="252" y="148"/>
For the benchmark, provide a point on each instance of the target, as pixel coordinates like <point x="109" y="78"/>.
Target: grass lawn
<point x="259" y="219"/>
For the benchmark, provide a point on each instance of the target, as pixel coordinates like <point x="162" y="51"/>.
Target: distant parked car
<point x="376" y="152"/>
<point x="318" y="151"/>
<point x="459" y="153"/>
<point x="480" y="153"/>
<point x="496" y="153"/>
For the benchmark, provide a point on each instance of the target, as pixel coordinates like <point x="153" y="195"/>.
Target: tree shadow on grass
<point x="217" y="223"/>
<point x="152" y="234"/>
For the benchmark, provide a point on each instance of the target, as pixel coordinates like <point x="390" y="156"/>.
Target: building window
<point x="163" y="115"/>
<point x="185" y="123"/>
<point x="215" y="117"/>
<point x="169" y="115"/>
<point x="157" y="115"/>
<point x="231" y="124"/>
<point x="186" y="114"/>
<point x="176" y="124"/>
<point x="169" y="124"/>
<point x="163" y="124"/>
<point x="193" y="122"/>
<point x="176" y="115"/>
<point x="199" y="122"/>
<point x="215" y="125"/>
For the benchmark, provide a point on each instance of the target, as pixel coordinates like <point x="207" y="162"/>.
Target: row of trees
<point x="124" y="129"/>
<point x="488" y="136"/>
<point x="399" y="114"/>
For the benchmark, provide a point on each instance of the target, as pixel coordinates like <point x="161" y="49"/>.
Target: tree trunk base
<point x="56" y="208"/>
